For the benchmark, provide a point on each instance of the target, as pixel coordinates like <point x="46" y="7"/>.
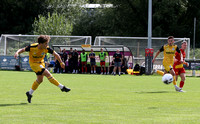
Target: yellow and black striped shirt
<point x="37" y="55"/>
<point x="169" y="53"/>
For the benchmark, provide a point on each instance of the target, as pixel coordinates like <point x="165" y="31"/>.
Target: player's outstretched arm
<point x="186" y="63"/>
<point x="19" y="52"/>
<point x="62" y="64"/>
<point x="157" y="53"/>
<point x="181" y="57"/>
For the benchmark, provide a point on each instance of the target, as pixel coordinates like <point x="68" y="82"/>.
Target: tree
<point x="17" y="17"/>
<point x="55" y="24"/>
<point x="60" y="19"/>
<point x="192" y="11"/>
<point x="120" y="20"/>
<point x="130" y="18"/>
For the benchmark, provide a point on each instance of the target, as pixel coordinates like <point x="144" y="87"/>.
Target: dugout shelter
<point x="108" y="49"/>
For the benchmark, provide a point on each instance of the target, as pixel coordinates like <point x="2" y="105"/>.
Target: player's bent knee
<point x="47" y="73"/>
<point x="39" y="81"/>
<point x="182" y="78"/>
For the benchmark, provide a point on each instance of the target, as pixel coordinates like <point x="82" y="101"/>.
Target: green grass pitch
<point x="98" y="99"/>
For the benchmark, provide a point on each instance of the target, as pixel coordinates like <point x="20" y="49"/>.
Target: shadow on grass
<point x="3" y="105"/>
<point x="21" y="104"/>
<point x="152" y="107"/>
<point x="155" y="92"/>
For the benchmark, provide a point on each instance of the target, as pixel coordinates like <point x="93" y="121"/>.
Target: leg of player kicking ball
<point x="34" y="87"/>
<point x="55" y="82"/>
<point x="160" y="72"/>
<point x="40" y="79"/>
<point x="174" y="80"/>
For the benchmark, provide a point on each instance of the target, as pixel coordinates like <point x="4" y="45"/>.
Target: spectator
<point x="102" y="57"/>
<point x="64" y="58"/>
<point x="47" y="59"/>
<point x="124" y="65"/>
<point x="92" y="61"/>
<point x="57" y="65"/>
<point x="83" y="59"/>
<point x="70" y="60"/>
<point x="75" y="61"/>
<point x="117" y="59"/>
<point x="111" y="66"/>
<point x="51" y="64"/>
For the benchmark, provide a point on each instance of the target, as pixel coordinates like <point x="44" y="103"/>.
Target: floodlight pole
<point x="149" y="50"/>
<point x="5" y="49"/>
<point x="193" y="71"/>
<point x="149" y="23"/>
<point x="194" y="38"/>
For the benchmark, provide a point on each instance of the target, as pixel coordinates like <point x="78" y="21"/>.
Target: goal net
<point x="137" y="46"/>
<point x="9" y="44"/>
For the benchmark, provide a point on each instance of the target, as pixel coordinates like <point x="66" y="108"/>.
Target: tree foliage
<point x="130" y="18"/>
<point x="60" y="18"/>
<point x="17" y="17"/>
<point x="55" y="24"/>
<point x="70" y="8"/>
<point x="125" y="18"/>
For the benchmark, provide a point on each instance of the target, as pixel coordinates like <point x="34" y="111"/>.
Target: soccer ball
<point x="167" y="78"/>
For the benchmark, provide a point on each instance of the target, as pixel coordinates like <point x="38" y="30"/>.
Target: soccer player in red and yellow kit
<point x="178" y="64"/>
<point x="168" y="60"/>
<point x="37" y="53"/>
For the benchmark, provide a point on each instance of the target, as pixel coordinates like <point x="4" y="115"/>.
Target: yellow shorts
<point x="167" y="67"/>
<point x="38" y="68"/>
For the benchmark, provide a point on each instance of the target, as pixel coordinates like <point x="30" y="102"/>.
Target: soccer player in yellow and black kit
<point x="168" y="60"/>
<point x="37" y="53"/>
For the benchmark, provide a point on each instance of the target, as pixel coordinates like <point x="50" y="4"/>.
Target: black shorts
<point x="92" y="63"/>
<point x="40" y="73"/>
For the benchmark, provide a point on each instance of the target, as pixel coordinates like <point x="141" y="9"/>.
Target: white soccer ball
<point x="167" y="78"/>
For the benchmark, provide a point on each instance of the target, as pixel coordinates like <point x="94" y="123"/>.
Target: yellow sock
<point x="174" y="80"/>
<point x="160" y="72"/>
<point x="35" y="85"/>
<point x="53" y="80"/>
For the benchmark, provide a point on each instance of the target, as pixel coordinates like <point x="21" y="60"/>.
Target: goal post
<point x="10" y="43"/>
<point x="138" y="45"/>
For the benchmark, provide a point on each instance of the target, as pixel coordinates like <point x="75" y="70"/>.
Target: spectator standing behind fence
<point x="124" y="65"/>
<point x="92" y="61"/>
<point x="102" y="57"/>
<point x="83" y="59"/>
<point x="75" y="61"/>
<point x="111" y="66"/>
<point x="64" y="58"/>
<point x="70" y="60"/>
<point x="117" y="59"/>
<point x="47" y="60"/>
<point x="58" y="68"/>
